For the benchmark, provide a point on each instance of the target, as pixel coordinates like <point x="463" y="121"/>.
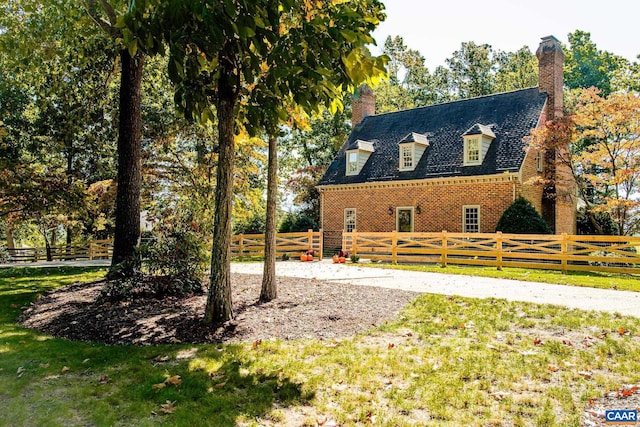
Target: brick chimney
<point x="363" y="105"/>
<point x="550" y="76"/>
<point x="558" y="203"/>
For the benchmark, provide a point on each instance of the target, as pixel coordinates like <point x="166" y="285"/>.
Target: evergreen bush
<point x="522" y="218"/>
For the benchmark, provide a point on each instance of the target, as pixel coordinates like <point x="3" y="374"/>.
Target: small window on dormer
<point x="352" y="163"/>
<point x="407" y="157"/>
<point x="473" y="151"/>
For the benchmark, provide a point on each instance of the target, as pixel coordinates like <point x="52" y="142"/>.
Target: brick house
<point x="454" y="166"/>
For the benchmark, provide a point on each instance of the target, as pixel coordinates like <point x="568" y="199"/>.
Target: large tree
<point x="219" y="51"/>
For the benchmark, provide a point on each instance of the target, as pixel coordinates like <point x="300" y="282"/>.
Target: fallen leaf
<point x="553" y="368"/>
<point x="256" y="344"/>
<point x="500" y="395"/>
<point x="104" y="380"/>
<point x="173" y="380"/>
<point x="175" y="340"/>
<point x="492" y="347"/>
<point x="408" y="334"/>
<point x="259" y="371"/>
<point x="371" y="418"/>
<point x="168" y="408"/>
<point x="586" y="374"/>
<point x="20" y="371"/>
<point x="161" y="359"/>
<point x="622" y="331"/>
<point x="321" y="421"/>
<point x="65" y="369"/>
<point x="537" y="341"/>
<point x="158" y="386"/>
<point x="221" y="385"/>
<point x="567" y="342"/>
<point x="391" y="345"/>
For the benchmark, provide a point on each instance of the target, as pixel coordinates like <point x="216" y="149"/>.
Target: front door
<point x="404" y="220"/>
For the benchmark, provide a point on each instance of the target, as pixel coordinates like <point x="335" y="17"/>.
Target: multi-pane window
<point x="352" y="163"/>
<point x="471" y="219"/>
<point x="473" y="150"/>
<point x="539" y="161"/>
<point x="406" y="161"/>
<point x="404" y="220"/>
<point x="350" y="219"/>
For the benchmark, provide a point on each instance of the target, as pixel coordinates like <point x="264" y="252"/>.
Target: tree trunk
<point x="127" y="214"/>
<point x="269" y="290"/>
<point x="219" y="307"/>
<point x="11" y="243"/>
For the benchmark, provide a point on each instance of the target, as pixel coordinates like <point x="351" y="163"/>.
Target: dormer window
<point x="412" y="147"/>
<point x="477" y="141"/>
<point x="407" y="157"/>
<point x="472" y="154"/>
<point x="357" y="156"/>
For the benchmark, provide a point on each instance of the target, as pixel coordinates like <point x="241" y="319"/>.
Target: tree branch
<point x="108" y="27"/>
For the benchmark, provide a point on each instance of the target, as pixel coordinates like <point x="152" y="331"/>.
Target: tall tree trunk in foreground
<point x="127" y="227"/>
<point x="219" y="307"/>
<point x="269" y="290"/>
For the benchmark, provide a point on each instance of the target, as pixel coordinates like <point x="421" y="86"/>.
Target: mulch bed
<point x="305" y="308"/>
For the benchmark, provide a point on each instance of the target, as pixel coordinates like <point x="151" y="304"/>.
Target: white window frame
<point x="539" y="161"/>
<point x="407" y="152"/>
<point x="350" y="216"/>
<point x="464" y="218"/>
<point x="405" y="208"/>
<point x="467" y="151"/>
<point x="352" y="167"/>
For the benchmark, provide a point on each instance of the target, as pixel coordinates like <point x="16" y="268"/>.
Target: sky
<point x="437" y="28"/>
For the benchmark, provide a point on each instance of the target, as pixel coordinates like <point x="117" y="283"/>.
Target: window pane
<point x="349" y="220"/>
<point x="471" y="220"/>
<point x="407" y="157"/>
<point x="473" y="150"/>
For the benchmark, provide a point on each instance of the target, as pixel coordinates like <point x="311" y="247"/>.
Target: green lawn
<point x="445" y="361"/>
<point x="621" y="282"/>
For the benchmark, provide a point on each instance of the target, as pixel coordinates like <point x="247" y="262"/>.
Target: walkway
<point x="623" y="302"/>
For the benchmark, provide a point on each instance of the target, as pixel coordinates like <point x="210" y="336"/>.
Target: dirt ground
<point x="305" y="308"/>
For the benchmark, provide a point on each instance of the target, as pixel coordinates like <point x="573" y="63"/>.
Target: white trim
<point x="348" y="162"/>
<point x="355" y="219"/>
<point x="467" y="140"/>
<point x="479" y="179"/>
<point x="464" y="218"/>
<point x="411" y="147"/>
<point x="404" y="208"/>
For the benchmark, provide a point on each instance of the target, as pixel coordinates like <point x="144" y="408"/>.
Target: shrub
<point x="522" y="218"/>
<point x="173" y="261"/>
<point x="293" y="223"/>
<point x="355" y="258"/>
<point x="5" y="256"/>
<point x="255" y="224"/>
<point x="603" y="219"/>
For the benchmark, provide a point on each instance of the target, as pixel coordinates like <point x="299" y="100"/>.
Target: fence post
<point x="309" y="239"/>
<point x="499" y="250"/>
<point x="240" y="246"/>
<point x="354" y="242"/>
<point x="91" y="250"/>
<point x="394" y="247"/>
<point x="563" y="253"/>
<point x="320" y="242"/>
<point x="443" y="263"/>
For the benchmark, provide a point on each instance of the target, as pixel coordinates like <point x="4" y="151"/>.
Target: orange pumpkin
<point x="342" y="260"/>
<point x="309" y="257"/>
<point x="303" y="257"/>
<point x="336" y="259"/>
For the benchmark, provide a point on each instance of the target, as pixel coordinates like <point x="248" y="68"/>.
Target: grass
<point x="623" y="282"/>
<point x="444" y="361"/>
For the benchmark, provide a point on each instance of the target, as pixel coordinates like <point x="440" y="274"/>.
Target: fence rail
<point x="96" y="249"/>
<point x="252" y="245"/>
<point x="557" y="252"/>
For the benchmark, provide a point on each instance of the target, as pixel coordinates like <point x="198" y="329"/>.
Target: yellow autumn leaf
<point x="168" y="407"/>
<point x="159" y="386"/>
<point x="173" y="380"/>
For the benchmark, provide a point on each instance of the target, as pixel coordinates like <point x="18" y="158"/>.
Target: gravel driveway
<point x="623" y="302"/>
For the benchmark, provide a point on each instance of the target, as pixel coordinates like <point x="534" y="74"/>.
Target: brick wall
<point x="440" y="202"/>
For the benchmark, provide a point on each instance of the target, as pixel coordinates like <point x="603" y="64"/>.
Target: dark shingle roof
<point x="511" y="116"/>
